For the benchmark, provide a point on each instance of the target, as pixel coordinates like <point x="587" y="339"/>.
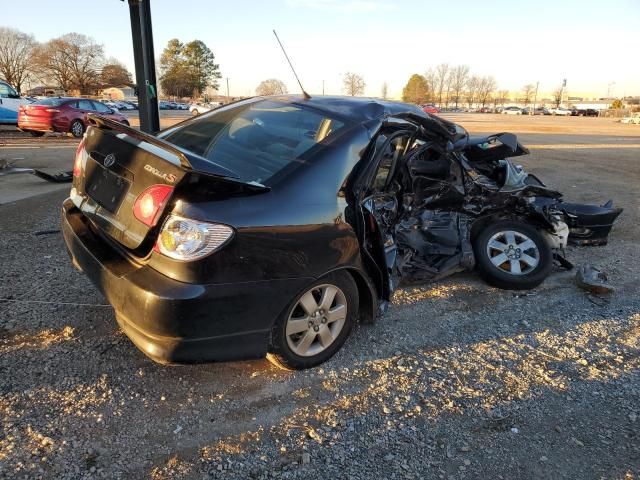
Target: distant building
<point x="122" y="92"/>
<point x="45" y="91"/>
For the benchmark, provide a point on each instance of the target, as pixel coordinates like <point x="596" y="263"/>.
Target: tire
<point x="76" y="129"/>
<point x="35" y="133"/>
<point x="124" y="122"/>
<point x="194" y="112"/>
<point x="301" y="347"/>
<point x="529" y="254"/>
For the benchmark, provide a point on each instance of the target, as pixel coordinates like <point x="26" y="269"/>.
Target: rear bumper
<point x="36" y="126"/>
<point x="176" y="322"/>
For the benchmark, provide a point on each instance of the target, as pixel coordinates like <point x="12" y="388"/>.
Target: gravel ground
<point x="458" y="380"/>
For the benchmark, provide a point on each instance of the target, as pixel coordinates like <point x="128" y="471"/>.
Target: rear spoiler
<point x="188" y="160"/>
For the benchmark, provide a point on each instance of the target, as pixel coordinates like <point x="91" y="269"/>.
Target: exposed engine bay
<point x="438" y="208"/>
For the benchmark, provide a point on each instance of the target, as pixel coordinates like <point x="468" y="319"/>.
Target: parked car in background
<point x="10" y="103"/>
<point x="430" y="109"/>
<point x="512" y="111"/>
<point x="199" y="108"/>
<point x="110" y="104"/>
<point x="584" y="112"/>
<point x="65" y="115"/>
<point x="560" y="111"/>
<point x="633" y="118"/>
<point x="485" y="110"/>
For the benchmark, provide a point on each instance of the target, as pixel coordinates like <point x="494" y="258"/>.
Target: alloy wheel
<point x="513" y="252"/>
<point x="77" y="129"/>
<point x="316" y="320"/>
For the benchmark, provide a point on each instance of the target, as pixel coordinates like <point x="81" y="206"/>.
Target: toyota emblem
<point x="109" y="160"/>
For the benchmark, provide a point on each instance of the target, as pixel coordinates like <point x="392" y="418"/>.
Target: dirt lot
<point x="458" y="380"/>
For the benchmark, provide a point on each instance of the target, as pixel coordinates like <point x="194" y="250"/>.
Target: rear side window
<point x="6" y="91"/>
<point x="52" y="102"/>
<point x="101" y="107"/>
<point x="256" y="140"/>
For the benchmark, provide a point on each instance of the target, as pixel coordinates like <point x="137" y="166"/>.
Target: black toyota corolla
<point x="269" y="226"/>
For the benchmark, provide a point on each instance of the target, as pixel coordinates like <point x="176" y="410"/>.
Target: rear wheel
<point x="512" y="255"/>
<point x="77" y="128"/>
<point x="35" y="133"/>
<point x="316" y="324"/>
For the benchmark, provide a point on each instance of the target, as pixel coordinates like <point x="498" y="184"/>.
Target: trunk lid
<point x="117" y="164"/>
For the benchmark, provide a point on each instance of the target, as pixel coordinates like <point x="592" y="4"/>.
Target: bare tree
<point x="441" y="77"/>
<point x="72" y="61"/>
<point x="473" y="88"/>
<point x="353" y="84"/>
<point x="557" y="96"/>
<point x="527" y="91"/>
<point x="272" y="86"/>
<point x="385" y="91"/>
<point x="486" y="88"/>
<point x="16" y="53"/>
<point x="430" y="77"/>
<point x="459" y="76"/>
<point x="503" y="96"/>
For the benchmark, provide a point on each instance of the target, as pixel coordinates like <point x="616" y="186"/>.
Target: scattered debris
<point x="592" y="279"/>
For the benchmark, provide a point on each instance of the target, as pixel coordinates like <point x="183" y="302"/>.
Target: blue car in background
<point x="10" y="102"/>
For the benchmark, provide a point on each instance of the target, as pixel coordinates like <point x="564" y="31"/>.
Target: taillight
<point x="186" y="239"/>
<point x="77" y="163"/>
<point x="150" y="203"/>
<point x="52" y="110"/>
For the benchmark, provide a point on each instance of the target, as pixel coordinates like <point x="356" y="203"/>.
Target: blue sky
<point x="591" y="43"/>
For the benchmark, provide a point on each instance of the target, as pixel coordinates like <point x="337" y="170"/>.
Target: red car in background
<point x="430" y="109"/>
<point x="64" y="115"/>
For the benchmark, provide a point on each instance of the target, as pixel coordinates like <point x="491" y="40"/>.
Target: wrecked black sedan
<point x="270" y="225"/>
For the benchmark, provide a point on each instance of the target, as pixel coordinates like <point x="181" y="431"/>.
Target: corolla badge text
<point x="169" y="177"/>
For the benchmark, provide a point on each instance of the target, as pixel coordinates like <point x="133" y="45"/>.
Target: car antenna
<point x="305" y="94"/>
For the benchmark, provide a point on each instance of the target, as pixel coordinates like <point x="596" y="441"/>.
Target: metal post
<point x="142" y="35"/>
<point x="535" y="99"/>
<point x="228" y="99"/>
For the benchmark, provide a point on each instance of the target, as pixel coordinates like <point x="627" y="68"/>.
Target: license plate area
<point x="105" y="187"/>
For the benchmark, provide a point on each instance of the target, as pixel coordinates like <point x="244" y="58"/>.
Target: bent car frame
<point x="269" y="226"/>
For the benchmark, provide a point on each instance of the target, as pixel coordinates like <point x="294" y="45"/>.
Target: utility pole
<point x="228" y="99"/>
<point x="535" y="98"/>
<point x="144" y="57"/>
<point x="322" y="87"/>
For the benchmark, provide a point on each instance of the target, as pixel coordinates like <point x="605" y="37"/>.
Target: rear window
<point x="257" y="140"/>
<point x="51" y="102"/>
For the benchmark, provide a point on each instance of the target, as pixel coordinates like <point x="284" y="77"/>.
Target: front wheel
<point x="512" y="255"/>
<point x="316" y="324"/>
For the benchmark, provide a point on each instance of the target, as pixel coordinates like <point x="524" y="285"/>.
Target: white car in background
<point x="512" y="111"/>
<point x="560" y="111"/>
<point x="198" y="108"/>
<point x="633" y="118"/>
